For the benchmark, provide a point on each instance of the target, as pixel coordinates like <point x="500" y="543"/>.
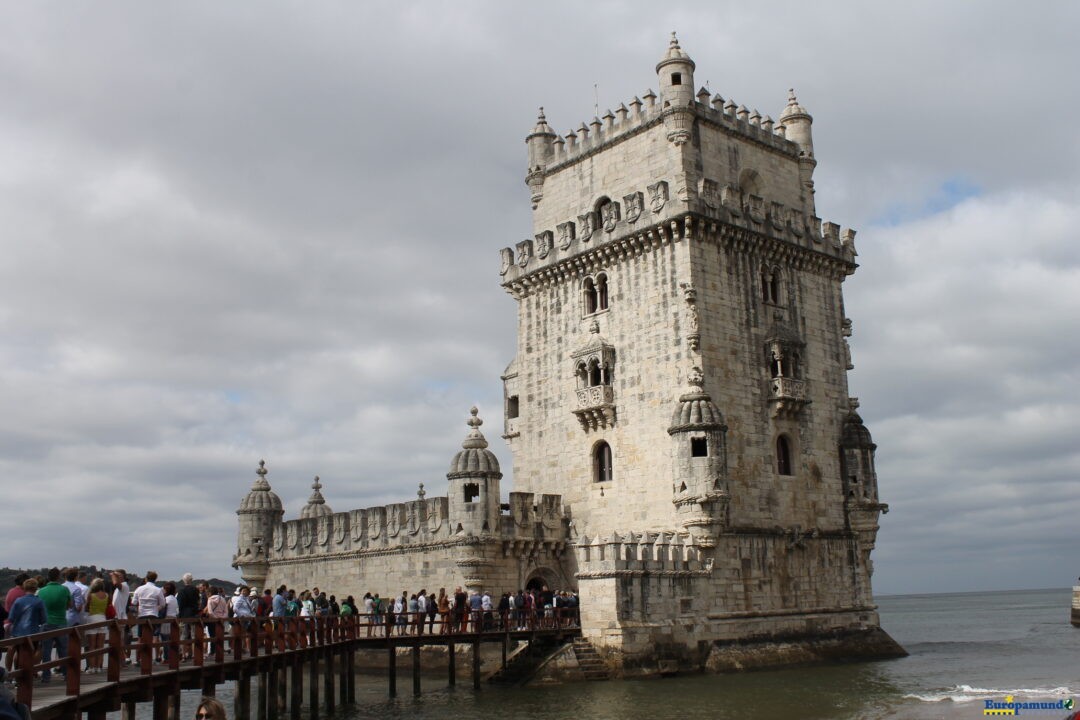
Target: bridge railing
<point x="152" y="645"/>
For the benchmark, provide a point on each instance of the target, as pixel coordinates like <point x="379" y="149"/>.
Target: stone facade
<point x="678" y="402"/>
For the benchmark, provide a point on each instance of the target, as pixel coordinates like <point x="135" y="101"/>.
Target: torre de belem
<point x="685" y="452"/>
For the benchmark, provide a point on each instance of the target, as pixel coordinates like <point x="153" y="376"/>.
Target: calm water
<point x="964" y="648"/>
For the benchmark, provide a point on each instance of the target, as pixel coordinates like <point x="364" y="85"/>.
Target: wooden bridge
<point x="275" y="652"/>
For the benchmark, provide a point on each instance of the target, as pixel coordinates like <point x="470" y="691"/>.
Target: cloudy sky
<point x="233" y="231"/>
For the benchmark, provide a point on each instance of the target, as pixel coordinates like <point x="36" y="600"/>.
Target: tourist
<point x="307" y="604"/>
<point x="57" y="599"/>
<point x="120" y="593"/>
<point x="97" y="608"/>
<point x="279" y="602"/>
<point x="74" y="615"/>
<point x="401" y="606"/>
<point x="172" y="609"/>
<point x="461" y="610"/>
<point x="348" y="606"/>
<point x="27" y="614"/>
<point x="476" y="608"/>
<point x="187" y="607"/>
<point x="217" y="612"/>
<point x="210" y="709"/>
<point x="12" y="595"/>
<point x="432" y="610"/>
<point x="443" y="604"/>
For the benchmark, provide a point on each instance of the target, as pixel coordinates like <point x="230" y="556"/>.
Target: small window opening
<point x="601" y="292"/>
<point x="676" y="78"/>
<point x="595" y="374"/>
<point x="699" y="447"/>
<point x="471" y="492"/>
<point x="602" y="463"/>
<point x="591" y="296"/>
<point x="770" y="286"/>
<point x="512" y="407"/>
<point x="783" y="455"/>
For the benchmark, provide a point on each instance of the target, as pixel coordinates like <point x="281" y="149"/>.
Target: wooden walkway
<point x="277" y="654"/>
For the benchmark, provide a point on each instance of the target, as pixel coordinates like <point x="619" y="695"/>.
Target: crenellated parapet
<point x="634" y="552"/>
<point x="803" y="242"/>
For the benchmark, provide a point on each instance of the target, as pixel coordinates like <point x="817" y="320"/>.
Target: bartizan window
<point x="770" y="285"/>
<point x="602" y="469"/>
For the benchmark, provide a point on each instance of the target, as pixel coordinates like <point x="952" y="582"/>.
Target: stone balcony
<point x="788" y="396"/>
<point x="595" y="407"/>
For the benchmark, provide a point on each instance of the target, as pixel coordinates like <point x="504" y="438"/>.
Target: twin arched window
<point x="595" y="290"/>
<point x="602" y="467"/>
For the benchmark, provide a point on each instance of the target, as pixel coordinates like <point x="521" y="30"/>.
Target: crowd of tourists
<point x="65" y="598"/>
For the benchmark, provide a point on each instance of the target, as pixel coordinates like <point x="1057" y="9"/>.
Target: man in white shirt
<point x="120" y="593"/>
<point x="149" y="599"/>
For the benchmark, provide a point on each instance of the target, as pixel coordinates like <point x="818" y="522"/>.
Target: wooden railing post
<point x="116" y="653"/>
<point x="73" y="670"/>
<point x="25" y="658"/>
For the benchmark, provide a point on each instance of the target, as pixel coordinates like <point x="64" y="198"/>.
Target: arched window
<point x="601" y="292"/>
<point x="783" y="455"/>
<point x="770" y="285"/>
<point x="602" y="462"/>
<point x="596" y="376"/>
<point x="591" y="300"/>
<point x="582" y="375"/>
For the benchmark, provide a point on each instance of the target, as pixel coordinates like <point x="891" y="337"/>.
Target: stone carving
<point x="729" y="198"/>
<point x="322" y="531"/>
<point x="776" y="216"/>
<point x="566" y="234"/>
<point x="635" y="205"/>
<point x="796" y="223"/>
<point x="376" y="521"/>
<point x="358" y="523"/>
<point x="658" y="196"/>
<point x="292" y="532"/>
<point x="524" y="253"/>
<point x="341" y="530"/>
<point x="544" y="242"/>
<point x="393" y="520"/>
<point x="587" y="223"/>
<point x="710" y="193"/>
<point x="610" y="212"/>
<point x="693" y="338"/>
<point x="506" y="259"/>
<point x="755" y="208"/>
<point x="413" y="520"/>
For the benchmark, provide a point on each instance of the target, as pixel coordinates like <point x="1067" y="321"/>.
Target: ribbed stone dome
<point x="474" y="458"/>
<point x="793" y="109"/>
<point x="316" y="504"/>
<point x="674" y="53"/>
<point x="261" y="498"/>
<point x="855" y="434"/>
<point x="696" y="410"/>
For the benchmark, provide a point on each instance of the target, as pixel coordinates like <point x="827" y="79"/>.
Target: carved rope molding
<point x="378" y="552"/>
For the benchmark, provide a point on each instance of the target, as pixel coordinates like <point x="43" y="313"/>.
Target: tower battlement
<point x="627" y="179"/>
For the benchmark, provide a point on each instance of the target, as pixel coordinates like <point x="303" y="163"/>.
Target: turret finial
<point x="474" y="422"/>
<point x="316" y="486"/>
<point x="674" y="40"/>
<point x="421" y="492"/>
<point x="791" y="97"/>
<point x="262" y="471"/>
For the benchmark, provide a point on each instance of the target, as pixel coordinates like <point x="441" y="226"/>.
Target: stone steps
<point x="592" y="666"/>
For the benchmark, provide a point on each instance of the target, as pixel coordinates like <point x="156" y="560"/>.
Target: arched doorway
<point x="536" y="583"/>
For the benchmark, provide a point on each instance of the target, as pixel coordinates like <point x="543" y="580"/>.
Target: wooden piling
<point x="261" y="702"/>
<point x="391" y="670"/>
<point x="296" y="693"/>
<point x="452" y="666"/>
<point x="416" y="669"/>
<point x="328" y="679"/>
<point x="476" y="664"/>
<point x="313" y="685"/>
<point x="242" y="699"/>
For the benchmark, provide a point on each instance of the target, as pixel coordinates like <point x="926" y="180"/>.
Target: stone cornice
<point x="471" y="540"/>
<point x="686" y="227"/>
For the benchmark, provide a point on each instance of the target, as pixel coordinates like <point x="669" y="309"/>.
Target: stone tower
<point x="675" y="243"/>
<point x="259" y="513"/>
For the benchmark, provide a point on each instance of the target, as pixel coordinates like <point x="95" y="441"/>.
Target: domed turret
<point x="260" y="513"/>
<point x="699" y="461"/>
<point x="857" y="458"/>
<point x="474" y="483"/>
<point x="316" y="504"/>
<point x="797" y="122"/>
<point x="675" y="73"/>
<point x="541" y="149"/>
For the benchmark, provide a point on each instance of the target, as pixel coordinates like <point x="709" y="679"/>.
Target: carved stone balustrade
<point x="788" y="396"/>
<point x="595" y="406"/>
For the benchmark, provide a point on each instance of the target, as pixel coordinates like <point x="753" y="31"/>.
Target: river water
<point x="965" y="649"/>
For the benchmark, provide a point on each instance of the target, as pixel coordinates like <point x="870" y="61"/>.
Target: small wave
<point x="967" y="693"/>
